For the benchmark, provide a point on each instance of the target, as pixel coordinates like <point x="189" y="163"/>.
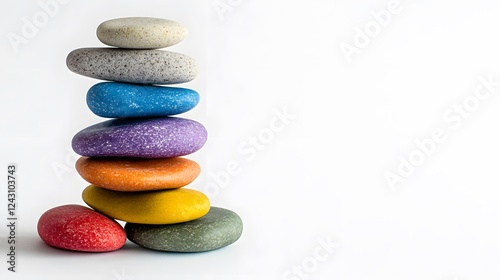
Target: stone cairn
<point x="134" y="160"/>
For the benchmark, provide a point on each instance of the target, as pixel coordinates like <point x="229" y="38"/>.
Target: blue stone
<point x="124" y="100"/>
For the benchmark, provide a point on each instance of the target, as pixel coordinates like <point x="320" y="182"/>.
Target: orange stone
<point x="137" y="174"/>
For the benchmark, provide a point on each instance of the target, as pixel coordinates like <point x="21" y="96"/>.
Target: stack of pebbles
<point x="133" y="161"/>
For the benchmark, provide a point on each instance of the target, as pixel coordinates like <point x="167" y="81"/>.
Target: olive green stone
<point x="218" y="228"/>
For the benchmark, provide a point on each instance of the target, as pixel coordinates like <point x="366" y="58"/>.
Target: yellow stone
<point x="150" y="207"/>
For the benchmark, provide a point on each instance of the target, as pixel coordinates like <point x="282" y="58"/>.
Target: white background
<point x="320" y="176"/>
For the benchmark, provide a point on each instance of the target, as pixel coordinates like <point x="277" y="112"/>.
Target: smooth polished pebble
<point x="141" y="33"/>
<point x="151" y="207"/>
<point x="138" y="174"/>
<point x="141" y="137"/>
<point x="132" y="66"/>
<point x="78" y="228"/>
<point x="123" y="100"/>
<point x="218" y="228"/>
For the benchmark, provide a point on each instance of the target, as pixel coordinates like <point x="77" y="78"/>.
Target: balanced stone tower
<point x="134" y="161"/>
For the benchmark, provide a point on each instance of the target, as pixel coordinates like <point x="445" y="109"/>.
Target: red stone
<point x="78" y="228"/>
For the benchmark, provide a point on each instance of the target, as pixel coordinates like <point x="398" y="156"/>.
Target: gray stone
<point x="132" y="66"/>
<point x="141" y="33"/>
<point x="218" y="228"/>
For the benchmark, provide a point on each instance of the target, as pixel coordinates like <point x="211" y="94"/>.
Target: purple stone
<point x="141" y="137"/>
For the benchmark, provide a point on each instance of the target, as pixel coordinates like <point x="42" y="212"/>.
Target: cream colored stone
<point x="141" y="33"/>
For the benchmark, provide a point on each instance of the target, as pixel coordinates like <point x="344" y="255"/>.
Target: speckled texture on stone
<point x="151" y="207"/>
<point x="123" y="100"/>
<point x="141" y="33"/>
<point x="141" y="137"/>
<point x="78" y="228"/>
<point x="138" y="174"/>
<point x="132" y="66"/>
<point x="218" y="228"/>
